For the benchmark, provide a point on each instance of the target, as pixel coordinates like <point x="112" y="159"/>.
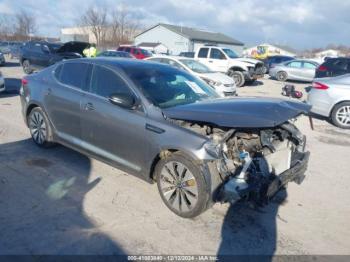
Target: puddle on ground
<point x="39" y="162"/>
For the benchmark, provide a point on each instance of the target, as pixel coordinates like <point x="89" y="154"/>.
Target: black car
<point x="274" y="60"/>
<point x="36" y="55"/>
<point x="333" y="67"/>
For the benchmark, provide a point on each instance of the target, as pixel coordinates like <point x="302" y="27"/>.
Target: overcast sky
<point x="299" y="24"/>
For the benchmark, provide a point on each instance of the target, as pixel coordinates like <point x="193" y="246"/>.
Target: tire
<point x="182" y="186"/>
<point x="27" y="68"/>
<point x="238" y="77"/>
<point x="282" y="76"/>
<point x="40" y="128"/>
<point x="265" y="70"/>
<point x="341" y="115"/>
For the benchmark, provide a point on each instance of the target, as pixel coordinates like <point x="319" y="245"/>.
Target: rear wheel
<point x="182" y="186"/>
<point x="341" y="115"/>
<point x="282" y="76"/>
<point x="40" y="128"/>
<point x="27" y="68"/>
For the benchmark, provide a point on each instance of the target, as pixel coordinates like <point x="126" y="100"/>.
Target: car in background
<point x="36" y="55"/>
<point x="330" y="97"/>
<point x="167" y="126"/>
<point x="2" y="83"/>
<point x="271" y="61"/>
<point x="137" y="52"/>
<point x="221" y="83"/>
<point x="299" y="69"/>
<point x="187" y="54"/>
<point x="15" y="50"/>
<point x="2" y="59"/>
<point x="333" y="67"/>
<point x="112" y="53"/>
<point x="5" y="47"/>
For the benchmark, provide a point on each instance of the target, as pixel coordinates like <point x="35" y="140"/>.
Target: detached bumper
<point x="261" y="189"/>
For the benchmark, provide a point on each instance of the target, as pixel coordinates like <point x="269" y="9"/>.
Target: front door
<point x="217" y="60"/>
<point x="115" y="134"/>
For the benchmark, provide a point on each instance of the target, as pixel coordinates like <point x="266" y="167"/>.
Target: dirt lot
<point x="58" y="201"/>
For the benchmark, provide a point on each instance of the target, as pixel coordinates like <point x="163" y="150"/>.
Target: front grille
<point x="259" y="69"/>
<point x="229" y="85"/>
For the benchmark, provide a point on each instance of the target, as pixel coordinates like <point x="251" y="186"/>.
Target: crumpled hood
<point x="239" y="112"/>
<point x="73" y="47"/>
<point x="249" y="60"/>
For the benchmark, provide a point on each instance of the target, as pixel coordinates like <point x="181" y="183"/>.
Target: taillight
<point x="322" y="68"/>
<point x="320" y="86"/>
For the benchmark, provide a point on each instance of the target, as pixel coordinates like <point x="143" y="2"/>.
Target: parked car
<point x="330" y="97"/>
<point x="167" y="126"/>
<point x="221" y="83"/>
<point x="137" y="52"/>
<point x="225" y="60"/>
<point x="15" y="50"/>
<point x="187" y="54"/>
<point x="2" y="59"/>
<point x="4" y="47"/>
<point x="272" y="61"/>
<point x="301" y="70"/>
<point x="36" y="55"/>
<point x="2" y="83"/>
<point x="333" y="67"/>
<point x="112" y="53"/>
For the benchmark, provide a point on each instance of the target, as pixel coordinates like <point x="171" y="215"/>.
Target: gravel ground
<point x="57" y="201"/>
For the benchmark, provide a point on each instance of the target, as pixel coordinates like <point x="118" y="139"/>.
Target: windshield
<point x="54" y="47"/>
<point x="145" y="52"/>
<point x="195" y="66"/>
<point x="230" y="53"/>
<point x="168" y="87"/>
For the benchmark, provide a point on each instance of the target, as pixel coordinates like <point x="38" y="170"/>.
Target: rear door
<point x="63" y="100"/>
<point x="309" y="71"/>
<point x="115" y="134"/>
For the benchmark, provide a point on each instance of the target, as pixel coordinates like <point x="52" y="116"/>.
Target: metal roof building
<point x="185" y="39"/>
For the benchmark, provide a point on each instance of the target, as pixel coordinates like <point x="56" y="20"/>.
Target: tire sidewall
<point x="203" y="188"/>
<point x="334" y="115"/>
<point x="48" y="140"/>
<point x="239" y="75"/>
<point x="26" y="67"/>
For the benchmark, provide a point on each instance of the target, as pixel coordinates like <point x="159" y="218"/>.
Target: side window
<point x="37" y="48"/>
<point x="203" y="53"/>
<point x="105" y="83"/>
<point x="74" y="74"/>
<point x="128" y="49"/>
<point x="309" y="65"/>
<point x="295" y="64"/>
<point x="58" y="71"/>
<point x="216" y="54"/>
<point x="136" y="52"/>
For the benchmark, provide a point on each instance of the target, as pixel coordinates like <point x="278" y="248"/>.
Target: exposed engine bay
<point x="254" y="163"/>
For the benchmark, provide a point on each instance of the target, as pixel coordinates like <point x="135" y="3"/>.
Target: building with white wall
<point x="266" y="50"/>
<point x="329" y="53"/>
<point x="185" y="39"/>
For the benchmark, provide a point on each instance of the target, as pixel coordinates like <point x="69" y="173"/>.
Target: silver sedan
<point x="301" y="70"/>
<point x="330" y="97"/>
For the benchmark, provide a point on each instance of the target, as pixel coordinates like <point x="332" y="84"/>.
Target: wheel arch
<point x="337" y="103"/>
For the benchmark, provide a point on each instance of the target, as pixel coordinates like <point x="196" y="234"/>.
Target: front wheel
<point x="40" y="128"/>
<point x="238" y="77"/>
<point x="282" y="76"/>
<point x="182" y="186"/>
<point x="341" y="115"/>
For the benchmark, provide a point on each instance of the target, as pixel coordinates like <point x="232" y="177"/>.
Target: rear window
<point x="74" y="74"/>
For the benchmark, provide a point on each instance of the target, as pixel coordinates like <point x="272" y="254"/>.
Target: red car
<point x="137" y="52"/>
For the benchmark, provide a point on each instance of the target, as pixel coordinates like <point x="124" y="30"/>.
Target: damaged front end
<point x="254" y="164"/>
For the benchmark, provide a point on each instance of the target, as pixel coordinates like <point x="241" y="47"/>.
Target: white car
<point x="222" y="83"/>
<point x="2" y="83"/>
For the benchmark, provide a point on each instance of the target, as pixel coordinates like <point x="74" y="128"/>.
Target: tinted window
<point x="127" y="49"/>
<point x="309" y="65"/>
<point x="295" y="64"/>
<point x="74" y="74"/>
<point x="216" y="54"/>
<point x="105" y="83"/>
<point x="203" y="53"/>
<point x="37" y="48"/>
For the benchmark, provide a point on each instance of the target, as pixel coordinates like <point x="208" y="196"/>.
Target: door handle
<point x="154" y="129"/>
<point x="89" y="107"/>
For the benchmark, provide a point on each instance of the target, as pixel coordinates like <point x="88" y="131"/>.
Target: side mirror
<point x="126" y="101"/>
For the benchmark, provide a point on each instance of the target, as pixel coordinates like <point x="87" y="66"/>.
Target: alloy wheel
<point x="37" y="128"/>
<point x="179" y="186"/>
<point x="343" y="116"/>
